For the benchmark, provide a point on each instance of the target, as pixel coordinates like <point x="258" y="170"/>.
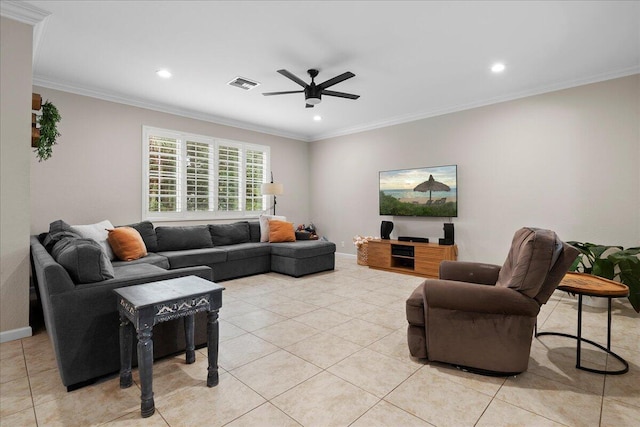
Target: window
<point x="198" y="177"/>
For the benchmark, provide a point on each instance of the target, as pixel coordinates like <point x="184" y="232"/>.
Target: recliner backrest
<point x="530" y="259"/>
<point x="566" y="257"/>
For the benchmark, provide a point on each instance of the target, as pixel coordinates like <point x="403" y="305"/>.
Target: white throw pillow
<point x="264" y="225"/>
<point x="99" y="233"/>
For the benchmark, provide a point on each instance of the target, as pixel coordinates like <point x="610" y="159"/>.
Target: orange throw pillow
<point x="281" y="231"/>
<point x="127" y="243"/>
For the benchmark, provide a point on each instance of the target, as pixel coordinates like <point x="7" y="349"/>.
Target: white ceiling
<point x="411" y="59"/>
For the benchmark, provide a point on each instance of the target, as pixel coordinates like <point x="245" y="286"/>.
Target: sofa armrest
<point x="471" y="272"/>
<point x="471" y="297"/>
<point x="50" y="276"/>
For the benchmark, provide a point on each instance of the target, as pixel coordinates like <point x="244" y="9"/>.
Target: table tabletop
<point x="166" y="290"/>
<point x="588" y="284"/>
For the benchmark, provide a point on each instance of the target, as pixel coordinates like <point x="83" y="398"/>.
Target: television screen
<point x="428" y="191"/>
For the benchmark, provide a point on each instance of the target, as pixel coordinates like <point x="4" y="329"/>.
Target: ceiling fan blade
<point x="293" y="77"/>
<point x="336" y="80"/>
<point x="309" y="106"/>
<point x="340" y="94"/>
<point x="282" y="93"/>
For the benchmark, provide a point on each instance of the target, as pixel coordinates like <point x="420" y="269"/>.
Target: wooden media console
<point x="419" y="259"/>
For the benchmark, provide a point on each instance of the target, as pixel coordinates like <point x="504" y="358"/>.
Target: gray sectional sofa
<point x="81" y="318"/>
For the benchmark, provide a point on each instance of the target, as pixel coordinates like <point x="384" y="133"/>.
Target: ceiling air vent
<point x="243" y="83"/>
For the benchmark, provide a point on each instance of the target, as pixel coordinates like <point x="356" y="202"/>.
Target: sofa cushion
<point x="264" y="225"/>
<point x="193" y="257"/>
<point x="281" y="231"/>
<point x="229" y="234"/>
<point x="254" y="231"/>
<point x="97" y="232"/>
<point x="182" y="238"/>
<point x="57" y="231"/>
<point x="150" y="258"/>
<point x="84" y="260"/>
<point x="126" y="243"/>
<point x="131" y="270"/>
<point x="303" y="249"/>
<point x="246" y="250"/>
<point x="145" y="228"/>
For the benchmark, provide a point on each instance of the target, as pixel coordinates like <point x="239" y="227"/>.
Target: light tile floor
<point x="330" y="350"/>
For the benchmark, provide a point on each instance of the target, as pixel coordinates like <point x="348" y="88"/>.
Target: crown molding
<point x="164" y="108"/>
<point x="483" y="103"/>
<point x="23" y="12"/>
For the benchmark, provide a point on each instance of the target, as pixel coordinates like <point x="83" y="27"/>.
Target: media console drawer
<point x="420" y="259"/>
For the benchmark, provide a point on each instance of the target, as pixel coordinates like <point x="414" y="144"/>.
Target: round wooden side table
<point x="586" y="284"/>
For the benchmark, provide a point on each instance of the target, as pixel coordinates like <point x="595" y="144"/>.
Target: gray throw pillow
<point x="182" y="238"/>
<point x="229" y="234"/>
<point x="145" y="228"/>
<point x="58" y="230"/>
<point x="84" y="260"/>
<point x="254" y="231"/>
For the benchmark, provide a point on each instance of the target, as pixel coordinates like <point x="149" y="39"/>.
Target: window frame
<point x="215" y="143"/>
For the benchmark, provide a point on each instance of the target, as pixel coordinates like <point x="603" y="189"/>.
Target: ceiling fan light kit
<point x="313" y="92"/>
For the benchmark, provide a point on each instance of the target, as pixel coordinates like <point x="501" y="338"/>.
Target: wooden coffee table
<point x="143" y="306"/>
<point x="587" y="284"/>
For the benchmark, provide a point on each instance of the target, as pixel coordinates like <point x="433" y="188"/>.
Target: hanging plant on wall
<point x="48" y="122"/>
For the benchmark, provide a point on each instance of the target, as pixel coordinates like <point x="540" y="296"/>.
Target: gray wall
<point x="565" y="160"/>
<point x="95" y="172"/>
<point x="15" y="142"/>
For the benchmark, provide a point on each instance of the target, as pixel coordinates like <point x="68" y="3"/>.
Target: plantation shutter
<point x="229" y="176"/>
<point x="254" y="177"/>
<point x="199" y="167"/>
<point x="164" y="174"/>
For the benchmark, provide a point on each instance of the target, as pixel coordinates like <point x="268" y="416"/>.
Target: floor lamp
<point x="272" y="189"/>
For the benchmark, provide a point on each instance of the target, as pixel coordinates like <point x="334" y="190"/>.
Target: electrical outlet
<point x="342" y="243"/>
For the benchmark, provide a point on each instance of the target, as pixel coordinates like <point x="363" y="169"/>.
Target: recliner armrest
<point x="470" y="272"/>
<point x="472" y="297"/>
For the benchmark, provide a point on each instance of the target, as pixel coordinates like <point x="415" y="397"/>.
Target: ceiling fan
<point x="313" y="92"/>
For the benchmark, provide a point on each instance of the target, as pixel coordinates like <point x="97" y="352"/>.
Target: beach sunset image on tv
<point x="429" y="191"/>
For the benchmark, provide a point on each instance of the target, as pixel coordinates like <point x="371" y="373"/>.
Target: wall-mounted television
<point x="430" y="191"/>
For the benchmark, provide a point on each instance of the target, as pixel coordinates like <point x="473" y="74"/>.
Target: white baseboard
<point x="15" y="334"/>
<point x="344" y="255"/>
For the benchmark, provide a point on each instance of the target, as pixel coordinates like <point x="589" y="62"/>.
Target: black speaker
<point x="385" y="229"/>
<point x="448" y="234"/>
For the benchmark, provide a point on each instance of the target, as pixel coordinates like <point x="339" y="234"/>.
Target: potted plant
<point x="611" y="262"/>
<point x="48" y="122"/>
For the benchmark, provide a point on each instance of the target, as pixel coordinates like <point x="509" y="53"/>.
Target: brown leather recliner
<point x="481" y="316"/>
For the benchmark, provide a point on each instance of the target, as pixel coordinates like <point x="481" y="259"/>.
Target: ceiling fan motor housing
<point x="312" y="94"/>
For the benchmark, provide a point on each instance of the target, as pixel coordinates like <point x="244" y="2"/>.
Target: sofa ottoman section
<point x="244" y="259"/>
<point x="302" y="257"/>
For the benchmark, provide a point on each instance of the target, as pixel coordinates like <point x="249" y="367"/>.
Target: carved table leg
<point x="189" y="326"/>
<point x="212" y="347"/>
<point x="126" y="344"/>
<point x="145" y="366"/>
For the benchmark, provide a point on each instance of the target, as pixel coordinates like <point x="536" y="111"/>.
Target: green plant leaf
<point x="603" y="268"/>
<point x="629" y="264"/>
<point x="585" y="254"/>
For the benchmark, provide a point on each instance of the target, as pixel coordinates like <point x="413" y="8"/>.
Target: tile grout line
<point x="33" y="403"/>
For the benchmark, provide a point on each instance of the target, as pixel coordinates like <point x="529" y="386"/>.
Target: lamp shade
<point x="272" y="189"/>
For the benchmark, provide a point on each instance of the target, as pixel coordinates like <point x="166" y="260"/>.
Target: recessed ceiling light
<point x="317" y="118"/>
<point x="498" y="67"/>
<point x="165" y="74"/>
